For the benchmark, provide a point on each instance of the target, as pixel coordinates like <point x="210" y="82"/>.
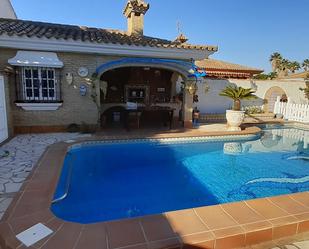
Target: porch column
<point x="96" y="98"/>
<point x="187" y="108"/>
<point x="174" y="80"/>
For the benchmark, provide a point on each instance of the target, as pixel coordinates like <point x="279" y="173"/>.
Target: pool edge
<point x="289" y="216"/>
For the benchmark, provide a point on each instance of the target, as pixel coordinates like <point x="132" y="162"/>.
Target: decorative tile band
<point x="177" y="140"/>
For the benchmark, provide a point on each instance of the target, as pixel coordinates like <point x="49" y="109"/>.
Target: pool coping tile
<point x="233" y="224"/>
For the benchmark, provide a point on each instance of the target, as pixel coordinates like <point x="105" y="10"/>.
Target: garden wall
<point x="211" y="102"/>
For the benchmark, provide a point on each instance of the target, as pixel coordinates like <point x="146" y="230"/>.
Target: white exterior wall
<point x="211" y="102"/>
<point x="3" y="115"/>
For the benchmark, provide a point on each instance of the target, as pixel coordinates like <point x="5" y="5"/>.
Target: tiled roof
<point x="222" y="69"/>
<point x="33" y="29"/>
<point x="226" y="66"/>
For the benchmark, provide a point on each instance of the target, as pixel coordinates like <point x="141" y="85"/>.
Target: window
<point x="39" y="84"/>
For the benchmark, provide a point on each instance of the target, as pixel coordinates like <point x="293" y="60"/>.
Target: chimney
<point x="7" y="10"/>
<point x="134" y="12"/>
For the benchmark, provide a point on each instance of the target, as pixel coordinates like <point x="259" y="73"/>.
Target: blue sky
<point x="246" y="31"/>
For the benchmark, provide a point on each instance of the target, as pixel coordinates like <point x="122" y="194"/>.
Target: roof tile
<point x="33" y="29"/>
<point x="212" y="64"/>
<point x="223" y="69"/>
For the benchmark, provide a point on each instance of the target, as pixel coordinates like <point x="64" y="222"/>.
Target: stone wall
<point x="211" y="102"/>
<point x="75" y="109"/>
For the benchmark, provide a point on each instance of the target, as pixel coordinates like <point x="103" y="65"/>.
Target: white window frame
<point x="39" y="98"/>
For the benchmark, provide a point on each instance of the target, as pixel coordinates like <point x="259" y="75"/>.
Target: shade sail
<point x="36" y="59"/>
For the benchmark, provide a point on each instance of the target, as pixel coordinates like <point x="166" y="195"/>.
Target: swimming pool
<point x="116" y="180"/>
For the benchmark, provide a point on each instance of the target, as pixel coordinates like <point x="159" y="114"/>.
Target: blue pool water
<point x="128" y="179"/>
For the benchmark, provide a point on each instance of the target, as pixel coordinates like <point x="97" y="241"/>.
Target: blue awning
<point x="189" y="68"/>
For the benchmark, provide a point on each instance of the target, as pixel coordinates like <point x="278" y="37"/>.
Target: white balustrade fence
<point x="292" y="112"/>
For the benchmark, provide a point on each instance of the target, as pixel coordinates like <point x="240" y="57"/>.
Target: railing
<point x="292" y="112"/>
<point x="61" y="194"/>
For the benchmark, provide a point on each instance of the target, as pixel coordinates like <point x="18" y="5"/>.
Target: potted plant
<point x="235" y="116"/>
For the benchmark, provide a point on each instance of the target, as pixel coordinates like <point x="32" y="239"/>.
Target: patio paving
<point x="24" y="152"/>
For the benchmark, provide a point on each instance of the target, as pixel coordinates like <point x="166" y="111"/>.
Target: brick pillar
<point x="187" y="109"/>
<point x="96" y="98"/>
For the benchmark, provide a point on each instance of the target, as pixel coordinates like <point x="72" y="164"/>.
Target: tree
<point x="275" y="60"/>
<point x="237" y="94"/>
<point x="284" y="67"/>
<point x="272" y="75"/>
<point x="263" y="76"/>
<point x="306" y="89"/>
<point x="293" y="66"/>
<point x="305" y="65"/>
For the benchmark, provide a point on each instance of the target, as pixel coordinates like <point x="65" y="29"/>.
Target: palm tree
<point x="306" y="65"/>
<point x="306" y="89"/>
<point x="283" y="67"/>
<point x="272" y="75"/>
<point x="237" y="94"/>
<point x="275" y="60"/>
<point x="293" y="66"/>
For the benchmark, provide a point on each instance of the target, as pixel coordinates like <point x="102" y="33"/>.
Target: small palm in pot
<point x="235" y="117"/>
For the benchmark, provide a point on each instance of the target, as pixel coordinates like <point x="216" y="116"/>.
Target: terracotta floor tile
<point x="303" y="226"/>
<point x="169" y="243"/>
<point x="124" y="233"/>
<point x="202" y="245"/>
<point x="7" y="234"/>
<point x="22" y="223"/>
<point x="185" y="222"/>
<point x="259" y="236"/>
<point x="157" y="227"/>
<point x="41" y="184"/>
<point x="24" y="247"/>
<point x="284" y="231"/>
<point x="11" y="207"/>
<point x="66" y="237"/>
<point x="235" y="241"/>
<point x="303" y="198"/>
<point x="139" y="246"/>
<point x="93" y="236"/>
<point x="261" y="225"/>
<point x="197" y="238"/>
<point x="242" y="213"/>
<point x="30" y="202"/>
<point x="288" y="204"/>
<point x="266" y="208"/>
<point x="12" y="243"/>
<point x="215" y="217"/>
<point x="283" y="221"/>
<point x="302" y="217"/>
<point x="226" y="232"/>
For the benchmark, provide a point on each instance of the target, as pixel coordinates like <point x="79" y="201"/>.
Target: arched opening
<point x="271" y="97"/>
<point x="155" y="90"/>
